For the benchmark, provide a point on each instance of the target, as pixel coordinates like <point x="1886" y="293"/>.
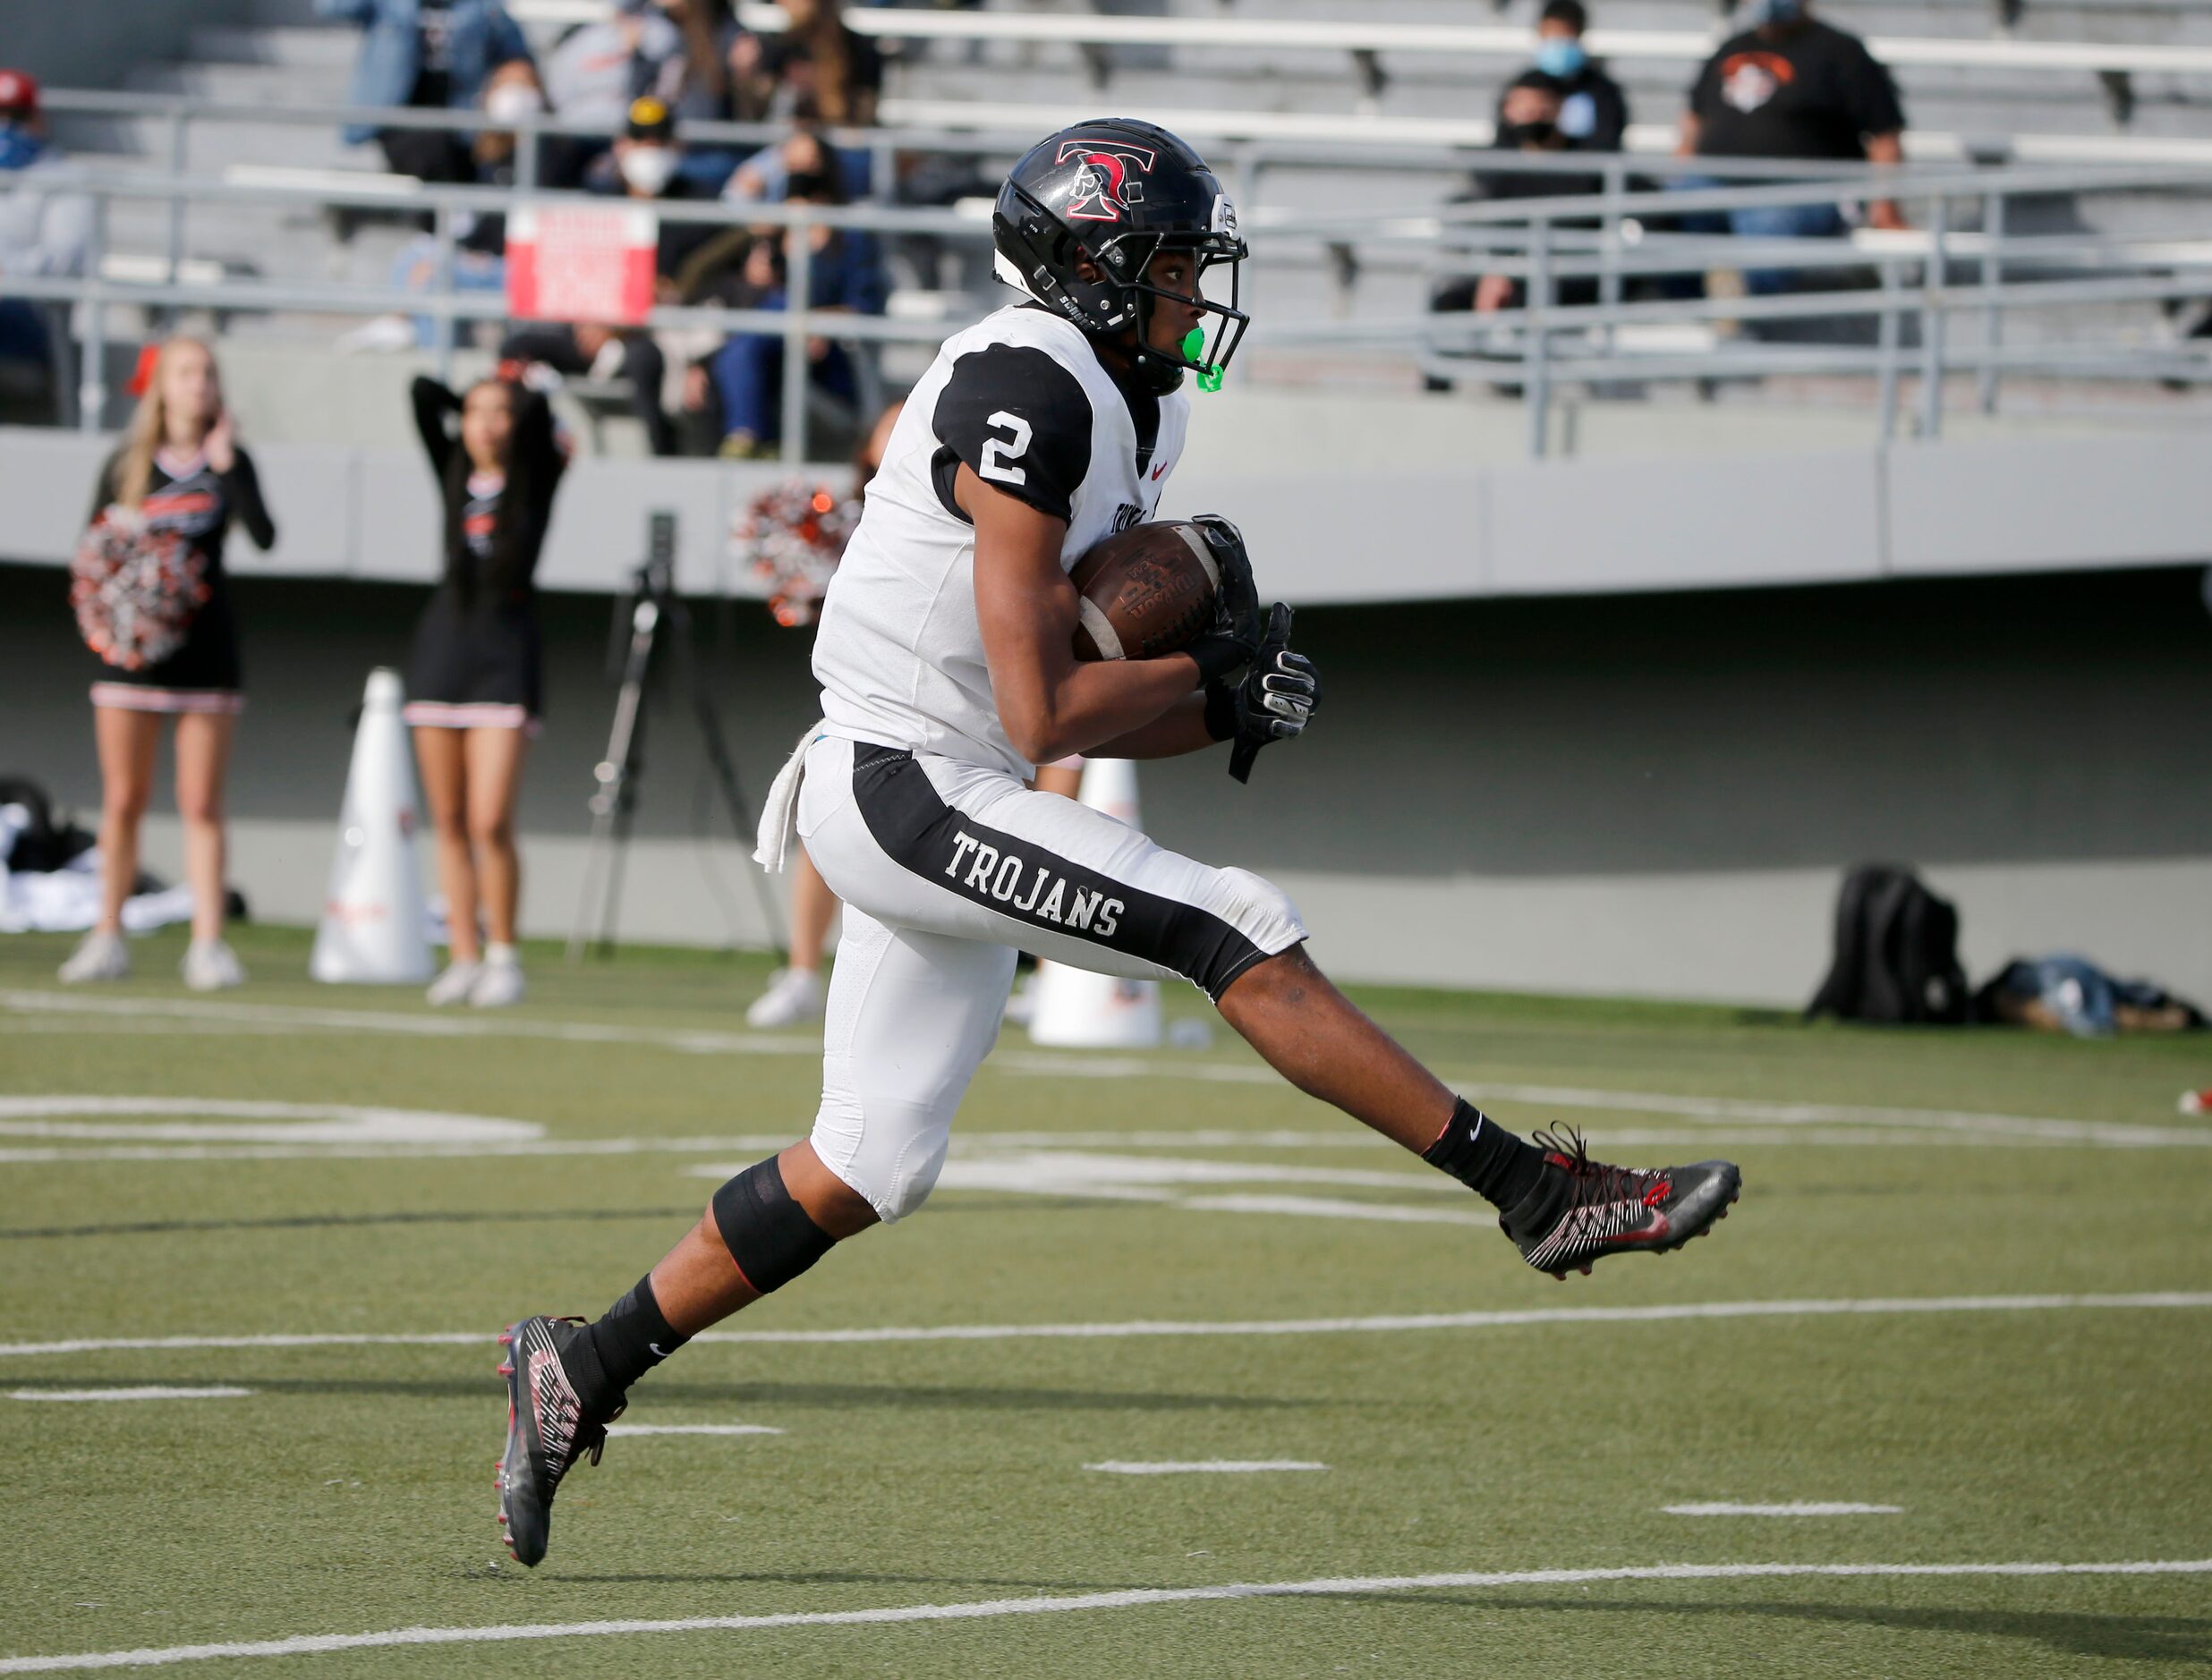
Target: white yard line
<point x="1015" y="1060"/>
<point x="392" y="1152"/>
<point x="1131" y="1598"/>
<point x="138" y="1011"/>
<point x="1957" y="1125"/>
<point x="194" y="1119"/>
<point x="129" y="1394"/>
<point x="1334" y="1208"/>
<point x="1382" y="1323"/>
<point x="1204" y="1466"/>
<point x="1796" y="1507"/>
<point x="1615" y="1139"/>
<point x="690" y="1429"/>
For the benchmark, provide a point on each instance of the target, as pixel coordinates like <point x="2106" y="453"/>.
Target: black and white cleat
<point x="1585" y="1211"/>
<point x="547" y="1431"/>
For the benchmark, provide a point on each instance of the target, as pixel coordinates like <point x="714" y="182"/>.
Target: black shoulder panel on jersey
<point x="1022" y="424"/>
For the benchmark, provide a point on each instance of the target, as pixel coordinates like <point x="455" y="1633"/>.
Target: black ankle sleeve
<point x="1484" y="1157"/>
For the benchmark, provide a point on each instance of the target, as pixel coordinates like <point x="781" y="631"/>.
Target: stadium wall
<point x="1644" y="795"/>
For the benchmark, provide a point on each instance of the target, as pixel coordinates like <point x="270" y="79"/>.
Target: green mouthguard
<point x="1194" y="349"/>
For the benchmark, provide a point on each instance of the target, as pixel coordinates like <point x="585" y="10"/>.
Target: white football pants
<point x="947" y="869"/>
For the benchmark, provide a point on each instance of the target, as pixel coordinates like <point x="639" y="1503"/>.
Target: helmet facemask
<point x="1122" y="296"/>
<point x="1206" y="350"/>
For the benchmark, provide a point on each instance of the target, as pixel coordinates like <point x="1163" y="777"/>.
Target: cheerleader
<point x="153" y="603"/>
<point x="475" y="679"/>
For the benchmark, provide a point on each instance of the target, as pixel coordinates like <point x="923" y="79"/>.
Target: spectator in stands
<point x="585" y="350"/>
<point x="647" y="163"/>
<point x="599" y="70"/>
<point x="45" y="229"/>
<point x="845" y="273"/>
<point x="1791" y="87"/>
<point x="1592" y="113"/>
<point x="1530" y="124"/>
<point x="708" y="91"/>
<point x="429" y="54"/>
<point x="817" y="60"/>
<point x="167" y="644"/>
<point x="480" y="248"/>
<point x="475" y="679"/>
<point x="761" y="178"/>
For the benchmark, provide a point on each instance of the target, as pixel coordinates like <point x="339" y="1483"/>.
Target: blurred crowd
<point x="650" y="71"/>
<point x="639" y="82"/>
<point x="1786" y="85"/>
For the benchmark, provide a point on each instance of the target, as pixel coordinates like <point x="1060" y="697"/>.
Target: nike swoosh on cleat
<point x="659" y="1352"/>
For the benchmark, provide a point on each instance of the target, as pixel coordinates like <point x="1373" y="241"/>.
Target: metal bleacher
<point x="1363" y="119"/>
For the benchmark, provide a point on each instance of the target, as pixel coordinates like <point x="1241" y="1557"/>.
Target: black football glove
<point x="1276" y="700"/>
<point x="1233" y="639"/>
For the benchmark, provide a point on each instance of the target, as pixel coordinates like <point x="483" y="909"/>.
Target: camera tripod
<point x="652" y="605"/>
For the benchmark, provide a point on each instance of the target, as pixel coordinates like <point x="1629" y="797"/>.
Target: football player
<point x="945" y="659"/>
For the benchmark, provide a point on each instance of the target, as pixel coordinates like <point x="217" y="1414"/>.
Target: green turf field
<point x="1235" y="1274"/>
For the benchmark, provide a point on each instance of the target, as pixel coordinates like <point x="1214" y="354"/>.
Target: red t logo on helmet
<point x="1103" y="189"/>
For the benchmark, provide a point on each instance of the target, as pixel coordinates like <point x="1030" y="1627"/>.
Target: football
<point x="1144" y="592"/>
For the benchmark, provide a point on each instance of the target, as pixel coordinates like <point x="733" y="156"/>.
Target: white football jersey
<point x="1022" y="400"/>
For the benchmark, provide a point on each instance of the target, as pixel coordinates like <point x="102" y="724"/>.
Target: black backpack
<point x="47" y="845"/>
<point x="1896" y="953"/>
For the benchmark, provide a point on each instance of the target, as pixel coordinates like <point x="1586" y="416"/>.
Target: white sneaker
<point x="793" y="995"/>
<point x="210" y="965"/>
<point x="102" y="957"/>
<point x="499" y="984"/>
<point x="455" y="985"/>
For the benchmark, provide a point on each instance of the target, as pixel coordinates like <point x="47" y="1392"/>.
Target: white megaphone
<point x="1073" y="1007"/>
<point x="373" y="927"/>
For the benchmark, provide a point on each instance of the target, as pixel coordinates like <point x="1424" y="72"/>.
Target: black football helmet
<point x="1119" y="192"/>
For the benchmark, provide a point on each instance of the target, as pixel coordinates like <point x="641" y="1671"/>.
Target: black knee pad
<point x="767" y="1233"/>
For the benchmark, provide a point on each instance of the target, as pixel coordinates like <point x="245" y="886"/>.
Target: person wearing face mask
<point x="647" y="163"/>
<point x="1532" y="122"/>
<point x="431" y="54"/>
<point x="599" y="70"/>
<point x="45" y="229"/>
<point x="1594" y="112"/>
<point x="1791" y="86"/>
<point x="480" y="252"/>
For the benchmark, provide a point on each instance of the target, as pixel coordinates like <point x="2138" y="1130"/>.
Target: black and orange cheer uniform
<point x="478" y="660"/>
<point x="189" y="498"/>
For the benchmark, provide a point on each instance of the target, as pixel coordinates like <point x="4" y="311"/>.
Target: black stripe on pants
<point x="1020" y="878"/>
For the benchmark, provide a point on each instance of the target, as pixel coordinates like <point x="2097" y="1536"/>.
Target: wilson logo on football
<point x="1103" y="187"/>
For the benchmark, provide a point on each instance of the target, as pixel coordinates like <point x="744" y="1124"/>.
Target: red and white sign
<point x="581" y="263"/>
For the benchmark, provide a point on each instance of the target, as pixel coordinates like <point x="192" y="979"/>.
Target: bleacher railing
<point x="1911" y="287"/>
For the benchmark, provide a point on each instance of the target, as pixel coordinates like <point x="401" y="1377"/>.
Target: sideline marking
<point x="1796" y="1507"/>
<point x="2156" y="1299"/>
<point x="1204" y="1466"/>
<point x="1128" y="1598"/>
<point x="129" y="1394"/>
<point x="690" y="1429"/>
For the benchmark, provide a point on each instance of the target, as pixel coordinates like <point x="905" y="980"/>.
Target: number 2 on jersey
<point x="1000" y="454"/>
